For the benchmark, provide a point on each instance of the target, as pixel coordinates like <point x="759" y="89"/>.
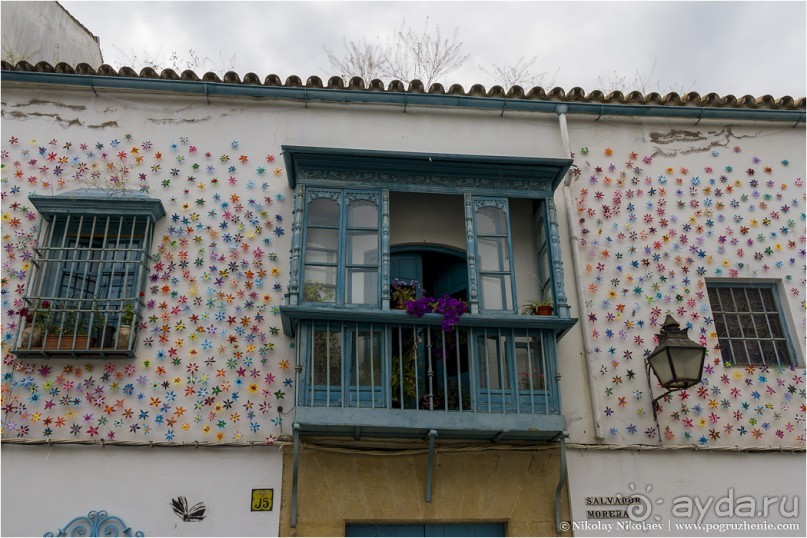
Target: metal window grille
<point x="749" y="326"/>
<point x="85" y="285"/>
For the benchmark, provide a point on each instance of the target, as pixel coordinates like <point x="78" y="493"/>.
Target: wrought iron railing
<point x="414" y="365"/>
<point x="53" y="326"/>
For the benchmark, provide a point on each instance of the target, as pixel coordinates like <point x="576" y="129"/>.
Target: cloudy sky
<point x="724" y="47"/>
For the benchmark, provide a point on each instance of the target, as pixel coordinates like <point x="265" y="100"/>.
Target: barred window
<point x="750" y="325"/>
<point x="90" y="266"/>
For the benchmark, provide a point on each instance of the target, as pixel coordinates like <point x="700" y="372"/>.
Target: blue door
<point x="428" y="529"/>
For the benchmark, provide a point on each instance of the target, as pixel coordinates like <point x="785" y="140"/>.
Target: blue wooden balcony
<point x="383" y="373"/>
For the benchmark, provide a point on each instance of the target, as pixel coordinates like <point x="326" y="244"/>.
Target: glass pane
<point x="365" y="355"/>
<point x="783" y="352"/>
<point x="540" y="229"/>
<point x="726" y="300"/>
<point x="491" y="221"/>
<point x="768" y="300"/>
<point x="776" y="326"/>
<point x="747" y="326"/>
<point x="733" y="325"/>
<point x="362" y="248"/>
<point x="496" y="292"/>
<point x="319" y="285"/>
<point x="362" y="286"/>
<point x="713" y="299"/>
<point x="493" y="363"/>
<point x="754" y="300"/>
<point x="529" y="364"/>
<point x="761" y="324"/>
<point x="362" y="214"/>
<point x="738" y="353"/>
<point x="757" y="354"/>
<point x="321" y="245"/>
<point x="741" y="301"/>
<point x="323" y="212"/>
<point x="493" y="255"/>
<point x="327" y="357"/>
<point x="543" y="267"/>
<point x="720" y="325"/>
<point x="725" y="352"/>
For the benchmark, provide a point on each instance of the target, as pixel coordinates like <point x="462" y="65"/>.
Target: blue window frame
<point x="750" y="324"/>
<point x="494" y="254"/>
<point x="89" y="271"/>
<point x="545" y="270"/>
<point x="513" y="369"/>
<point x="346" y="365"/>
<point x="341" y="255"/>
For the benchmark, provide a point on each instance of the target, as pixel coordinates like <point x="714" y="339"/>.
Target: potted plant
<point x="68" y="329"/>
<point x="537" y="307"/>
<point x="31" y="334"/>
<point x="404" y="376"/>
<point x="125" y="326"/>
<point x="448" y="306"/>
<point x="315" y="291"/>
<point x="403" y="291"/>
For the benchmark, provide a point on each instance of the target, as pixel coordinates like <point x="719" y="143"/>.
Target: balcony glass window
<point x="341" y="248"/>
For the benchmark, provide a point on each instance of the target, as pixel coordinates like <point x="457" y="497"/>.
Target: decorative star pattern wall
<point x="211" y="363"/>
<point x="652" y="230"/>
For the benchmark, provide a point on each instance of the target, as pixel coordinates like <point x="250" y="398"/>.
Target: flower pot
<point x="543" y="311"/>
<point x="82" y="341"/>
<point x="122" y="337"/>
<point x="106" y="337"/>
<point x="30" y="337"/>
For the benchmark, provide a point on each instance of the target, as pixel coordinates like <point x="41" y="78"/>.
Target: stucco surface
<point x="514" y="487"/>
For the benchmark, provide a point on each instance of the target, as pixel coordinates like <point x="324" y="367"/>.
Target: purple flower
<point x="421" y="306"/>
<point x="450" y="308"/>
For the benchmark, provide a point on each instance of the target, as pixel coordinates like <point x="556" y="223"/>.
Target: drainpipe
<point x="578" y="277"/>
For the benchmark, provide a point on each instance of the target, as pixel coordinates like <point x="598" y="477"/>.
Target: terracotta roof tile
<point x="575" y="94"/>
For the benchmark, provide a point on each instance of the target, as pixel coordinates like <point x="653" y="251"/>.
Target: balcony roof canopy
<point x="429" y="172"/>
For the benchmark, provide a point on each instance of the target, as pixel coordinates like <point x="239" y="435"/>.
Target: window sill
<point x="291" y="314"/>
<point x="92" y="353"/>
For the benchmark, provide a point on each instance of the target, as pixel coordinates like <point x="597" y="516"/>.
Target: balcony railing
<point x="387" y="369"/>
<point x="77" y="327"/>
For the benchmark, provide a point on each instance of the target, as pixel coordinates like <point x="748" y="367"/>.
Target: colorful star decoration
<point x="651" y="235"/>
<point x="209" y="346"/>
<point x="212" y="362"/>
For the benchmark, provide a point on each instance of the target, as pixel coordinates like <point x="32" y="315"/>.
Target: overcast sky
<point x="735" y="48"/>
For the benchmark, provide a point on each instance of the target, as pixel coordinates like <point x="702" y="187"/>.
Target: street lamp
<point x="677" y="361"/>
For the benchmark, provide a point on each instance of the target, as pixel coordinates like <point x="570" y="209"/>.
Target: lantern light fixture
<point x="677" y="361"/>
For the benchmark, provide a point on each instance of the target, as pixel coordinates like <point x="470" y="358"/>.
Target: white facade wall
<point x="710" y="201"/>
<point x="698" y="187"/>
<point x="687" y="493"/>
<point x="229" y="148"/>
<point x="237" y="143"/>
<point x="45" y="487"/>
<point x="45" y="31"/>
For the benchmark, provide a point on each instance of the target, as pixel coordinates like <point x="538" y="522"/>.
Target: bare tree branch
<point x="642" y="82"/>
<point x="179" y="63"/>
<point x="359" y="59"/>
<point x="425" y="56"/>
<point x="520" y="74"/>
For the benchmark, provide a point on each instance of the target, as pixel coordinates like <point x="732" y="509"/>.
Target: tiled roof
<point x="576" y="94"/>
